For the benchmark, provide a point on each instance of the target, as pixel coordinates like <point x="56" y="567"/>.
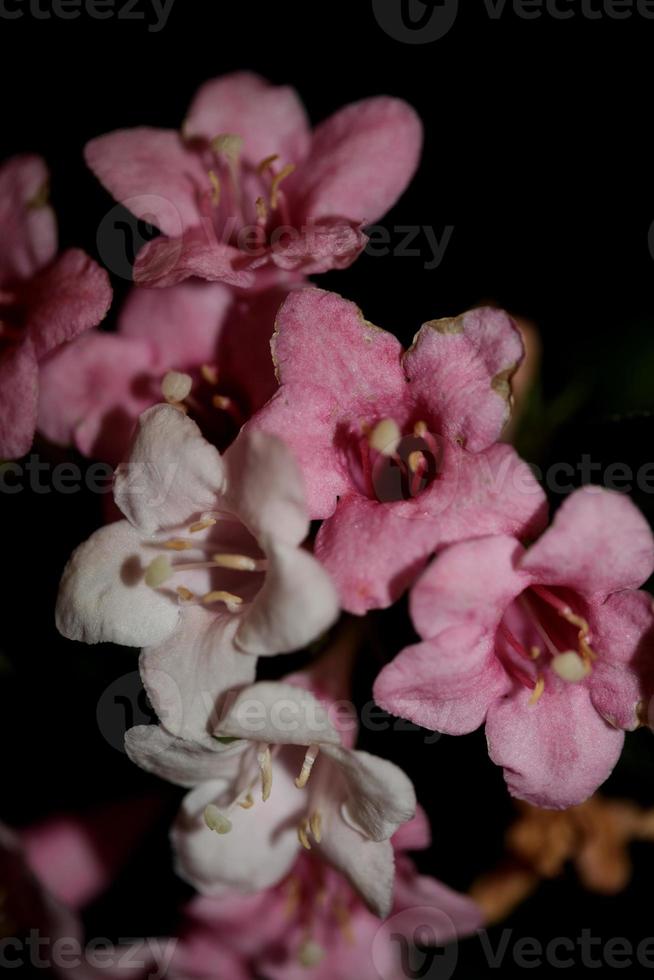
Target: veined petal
<point x="278" y="713"/>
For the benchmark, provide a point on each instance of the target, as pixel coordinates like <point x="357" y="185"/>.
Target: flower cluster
<point x="283" y="467"/>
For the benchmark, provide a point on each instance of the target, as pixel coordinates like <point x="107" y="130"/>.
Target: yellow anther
<point x="385" y="437"/>
<point x="241" y="563"/>
<point x="315" y="822"/>
<point x="222" y="402"/>
<point x="179" y="544"/>
<point x="219" y="595"/>
<point x="537" y="692"/>
<point x="265" y="765"/>
<point x="202" y="525"/>
<point x="262" y="210"/>
<point x="266" y="163"/>
<point x="215" y="187"/>
<point x="420" y="429"/>
<point x="276" y="181"/>
<point x="185" y="594"/>
<point x="309" y="759"/>
<point x="247" y="802"/>
<point x="210" y="374"/>
<point x="535" y="652"/>
<point x="303" y="836"/>
<point x="215" y="820"/>
<point x="158" y="571"/>
<point x="416" y="461"/>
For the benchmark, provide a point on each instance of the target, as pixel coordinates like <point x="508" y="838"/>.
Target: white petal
<point x="280" y="714"/>
<point x="183" y="762"/>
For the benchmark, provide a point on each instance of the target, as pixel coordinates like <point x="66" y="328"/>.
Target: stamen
<point x="158" y="571"/>
<point x="219" y="595"/>
<point x="513" y="642"/>
<point x="420" y="429"/>
<point x="265" y="764"/>
<point x="303" y="836"/>
<point x="416" y="461"/>
<point x="309" y="759"/>
<point x="277" y="179"/>
<point x="176" y="386"/>
<point x="315" y="822"/>
<point x="262" y="210"/>
<point x="210" y="374"/>
<point x="266" y="163"/>
<point x="185" y="594"/>
<point x="202" y="525"/>
<point x="241" y="563"/>
<point x="571" y="667"/>
<point x="179" y="544"/>
<point x="215" y="184"/>
<point x="228" y="145"/>
<point x="385" y="437"/>
<point x="538" y="690"/>
<point x="215" y="820"/>
<point x="247" y="802"/>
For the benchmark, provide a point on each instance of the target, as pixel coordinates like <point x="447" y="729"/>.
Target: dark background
<point x="538" y="154"/>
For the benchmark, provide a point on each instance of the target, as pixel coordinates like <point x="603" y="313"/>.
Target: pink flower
<point x="397" y="448"/>
<point x="207" y="571"/>
<point x="94" y="389"/>
<point x="247" y="193"/>
<point x="545" y="645"/>
<point x="314" y="924"/>
<point x="49" y="872"/>
<point x="44" y="301"/>
<point x="316" y="793"/>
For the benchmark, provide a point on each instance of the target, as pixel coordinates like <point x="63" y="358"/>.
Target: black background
<point x="538" y="154"/>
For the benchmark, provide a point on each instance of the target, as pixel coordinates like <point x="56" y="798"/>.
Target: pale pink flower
<point x="246" y="193"/>
<point x="397" y="449"/>
<point x="547" y="645"/>
<point x="206" y="572"/>
<point x="94" y="389"/>
<point x="316" y="793"/>
<point x="44" y="300"/>
<point x="313" y="923"/>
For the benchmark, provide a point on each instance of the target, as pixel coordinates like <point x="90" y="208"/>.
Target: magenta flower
<point x="44" y="301"/>
<point x="206" y="571"/>
<point x="397" y="448"/>
<point x="316" y="793"/>
<point x="314" y="923"/>
<point x="94" y="389"/>
<point x="546" y="645"/>
<point x="246" y="193"/>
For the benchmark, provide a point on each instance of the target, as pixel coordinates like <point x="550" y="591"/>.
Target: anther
<point x="265" y="765"/>
<point x="185" y="594"/>
<point x="215" y="820"/>
<point x="202" y="525"/>
<point x="315" y="822"/>
<point x="247" y="802"/>
<point x="277" y="179"/>
<point x="179" y="544"/>
<point x="176" y="386"/>
<point x="420" y="429"/>
<point x="215" y="187"/>
<point x="309" y="759"/>
<point x="303" y="835"/>
<point x="241" y="563"/>
<point x="210" y="374"/>
<point x="416" y="461"/>
<point x="537" y="693"/>
<point x="385" y="437"/>
<point x="266" y="163"/>
<point x="219" y="595"/>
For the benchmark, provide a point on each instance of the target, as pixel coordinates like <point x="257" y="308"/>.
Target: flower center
<point x="211" y="401"/>
<point x="12" y="319"/>
<point x="539" y="632"/>
<point x="390" y="466"/>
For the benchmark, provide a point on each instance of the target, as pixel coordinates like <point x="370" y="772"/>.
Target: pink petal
<point x="296" y="604"/>
<point x="555" y="753"/>
<point x="415" y="834"/>
<point x="92" y="392"/>
<point x="19" y="387"/>
<point x="271" y="119"/>
<point x="446" y="684"/>
<point x="188" y="675"/>
<point x="103" y="598"/>
<point x="362" y="159"/>
<point x="70" y="296"/>
<point x="264" y="487"/>
<point x="319" y="247"/>
<point x="599" y="542"/>
<point x="183" y="324"/>
<point x="622" y="635"/>
<point x="453" y="916"/>
<point x="153" y="174"/>
<point x="471" y="582"/>
<point x="172" y="473"/>
<point x="29" y="230"/>
<point x="169" y="261"/>
<point x="460" y="369"/>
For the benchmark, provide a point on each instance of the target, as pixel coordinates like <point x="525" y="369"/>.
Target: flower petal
<point x="269" y="118"/>
<point x="319" y="247"/>
<point x="446" y="684"/>
<point x="368" y="865"/>
<point x="19" y="387"/>
<point x="70" y="296"/>
<point x="169" y="261"/>
<point x="452" y="917"/>
<point x="295" y="605"/>
<point x="188" y="675"/>
<point x="555" y="753"/>
<point x="172" y="472"/>
<point x="264" y="487"/>
<point x="103" y="598"/>
<point x="29" y="230"/>
<point x="152" y="173"/>
<point x="598" y="542"/>
<point x="362" y="159"/>
<point x="278" y="713"/>
<point x="181" y="761"/>
<point x="461" y="368"/>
